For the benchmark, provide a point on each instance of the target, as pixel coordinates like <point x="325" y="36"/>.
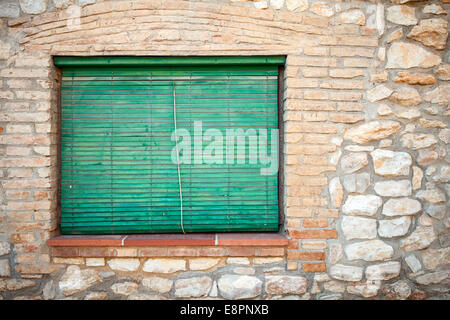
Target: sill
<point x="247" y="239"/>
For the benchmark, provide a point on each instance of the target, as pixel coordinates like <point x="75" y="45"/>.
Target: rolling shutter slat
<point x="116" y="170"/>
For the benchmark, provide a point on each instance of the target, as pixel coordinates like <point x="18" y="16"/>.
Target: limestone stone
<point x="203" y="263"/>
<point x="409" y="114"/>
<point x="82" y="3"/>
<point x="125" y="288"/>
<point x="403" y="55"/>
<point x="33" y="6"/>
<point x="49" y="290"/>
<point x="285" y="284"/>
<point x="365" y="289"/>
<point x="433" y="195"/>
<point x="370" y="131"/>
<point x="371" y="250"/>
<point x="433" y="278"/>
<point x="4" y="248"/>
<point x="413" y="263"/>
<point x="433" y="110"/>
<point x="432" y="258"/>
<point x="417" y="178"/>
<point x="391" y="164"/>
<point x="421" y="238"/>
<point x="335" y="253"/>
<point x="75" y="280"/>
<point x="381" y="76"/>
<point x="434" y="9"/>
<point x="193" y="287"/>
<point x="96" y="295"/>
<point x="322" y="9"/>
<point x="406" y="96"/>
<point x="267" y="260"/>
<point x="379" y="92"/>
<point x="334" y="286"/>
<point x="384" y="110"/>
<point x="444" y="174"/>
<point x="357" y="148"/>
<point x="399" y="290"/>
<point x="395" y="35"/>
<point x="143" y="296"/>
<point x="437" y="211"/>
<point x="403" y="15"/>
<point x="346" y="273"/>
<point x="9" y="10"/>
<point x="401" y="207"/>
<point x="61" y="4"/>
<point x="233" y="260"/>
<point x="440" y="95"/>
<point x="443" y="72"/>
<point x="95" y="262"/>
<point x="244" y="270"/>
<point x="426" y="123"/>
<point x="297" y="5"/>
<point x="444" y="135"/>
<point x="418" y="140"/>
<point x="363" y="205"/>
<point x="18" y="284"/>
<point x="359" y="228"/>
<point x="214" y="292"/>
<point x="329" y="296"/>
<point x="158" y="284"/>
<point x="276" y="4"/>
<point x="394" y="227"/>
<point x="336" y="192"/>
<point x="393" y="188"/>
<point x="239" y="287"/>
<point x="383" y="271"/>
<point x="353" y="16"/>
<point x="260" y="4"/>
<point x="431" y="32"/>
<point x="121" y="264"/>
<point x="354" y="161"/>
<point x="164" y="265"/>
<point x="385" y="143"/>
<point x="5" y="270"/>
<point x="358" y="182"/>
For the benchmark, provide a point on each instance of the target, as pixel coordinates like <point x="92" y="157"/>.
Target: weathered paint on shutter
<point x="117" y="175"/>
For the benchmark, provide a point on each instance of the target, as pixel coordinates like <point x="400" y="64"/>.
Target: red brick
<point x="314" y="267"/>
<point x="153" y="252"/>
<point x="313" y="234"/>
<point x="212" y="252"/>
<point x="274" y="252"/>
<point x="293" y="244"/>
<point x="241" y="252"/>
<point x="315" y="223"/>
<point x="65" y="252"/>
<point x="93" y="252"/>
<point x="182" y="252"/>
<point x="306" y="256"/>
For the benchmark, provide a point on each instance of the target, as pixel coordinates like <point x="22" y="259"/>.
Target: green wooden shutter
<point x="117" y="175"/>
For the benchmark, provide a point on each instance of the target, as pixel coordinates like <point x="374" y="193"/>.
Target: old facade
<point x="366" y="157"/>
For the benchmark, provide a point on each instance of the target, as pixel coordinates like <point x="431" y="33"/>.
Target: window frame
<point x="280" y="61"/>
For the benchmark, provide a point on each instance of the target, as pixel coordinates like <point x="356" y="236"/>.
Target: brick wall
<point x="366" y="171"/>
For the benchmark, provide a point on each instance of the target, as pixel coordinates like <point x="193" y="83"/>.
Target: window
<point x="154" y="145"/>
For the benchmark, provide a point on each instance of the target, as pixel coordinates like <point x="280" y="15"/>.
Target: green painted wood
<point x="167" y="61"/>
<point x="117" y="175"/>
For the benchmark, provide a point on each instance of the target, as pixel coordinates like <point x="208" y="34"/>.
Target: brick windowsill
<point x="164" y="240"/>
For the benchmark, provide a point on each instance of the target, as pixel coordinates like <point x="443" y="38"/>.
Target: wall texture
<point x="366" y="157"/>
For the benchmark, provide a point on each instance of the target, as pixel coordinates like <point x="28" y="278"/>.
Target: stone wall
<point x="366" y="163"/>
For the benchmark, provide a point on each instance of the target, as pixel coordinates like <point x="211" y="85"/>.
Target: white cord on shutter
<point x="178" y="160"/>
